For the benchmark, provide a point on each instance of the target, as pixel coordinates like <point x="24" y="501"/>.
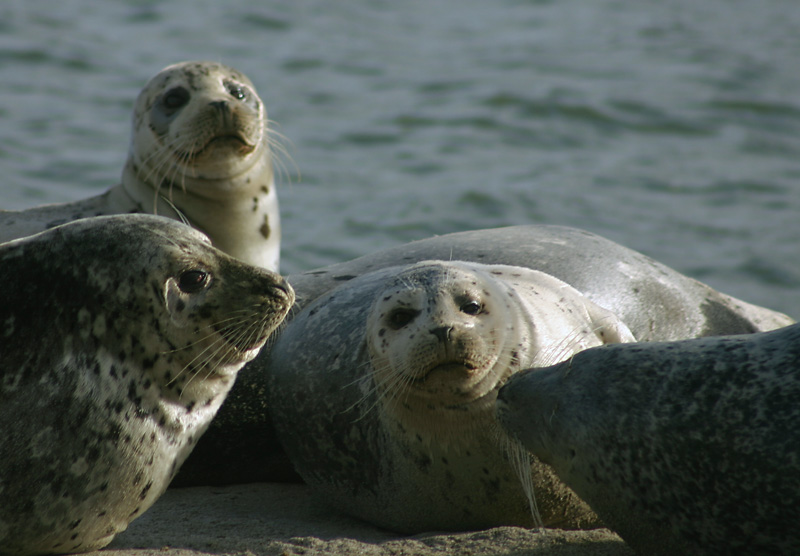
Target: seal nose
<point x="219" y="105"/>
<point x="442" y="333"/>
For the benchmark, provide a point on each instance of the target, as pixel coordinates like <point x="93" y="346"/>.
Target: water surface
<point x="672" y="127"/>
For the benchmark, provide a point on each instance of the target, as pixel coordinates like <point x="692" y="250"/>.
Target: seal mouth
<point x="465" y="368"/>
<point x="242" y="346"/>
<point x="232" y="141"/>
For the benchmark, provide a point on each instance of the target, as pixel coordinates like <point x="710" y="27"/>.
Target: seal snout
<point x="283" y="294"/>
<point x="443" y="333"/>
<point x="221" y="106"/>
<point x="279" y="288"/>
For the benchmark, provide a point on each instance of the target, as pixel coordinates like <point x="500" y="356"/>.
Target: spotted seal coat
<point x="200" y="151"/>
<point x="119" y="338"/>
<point x="389" y="411"/>
<point x="689" y="447"/>
<point x="655" y="302"/>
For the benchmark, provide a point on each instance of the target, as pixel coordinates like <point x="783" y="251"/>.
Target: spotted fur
<point x="119" y="338"/>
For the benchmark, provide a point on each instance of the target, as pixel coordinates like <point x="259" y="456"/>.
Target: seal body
<point x="199" y="152"/>
<point x="389" y="411"/>
<point x="654" y="301"/>
<point x="688" y="447"/>
<point x="119" y="338"/>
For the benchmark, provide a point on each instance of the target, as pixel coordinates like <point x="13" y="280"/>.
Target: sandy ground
<point x="269" y="519"/>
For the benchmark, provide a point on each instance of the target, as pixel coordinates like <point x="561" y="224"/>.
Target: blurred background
<point x="670" y="126"/>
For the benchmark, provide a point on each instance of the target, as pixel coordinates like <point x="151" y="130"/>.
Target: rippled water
<point x="670" y="126"/>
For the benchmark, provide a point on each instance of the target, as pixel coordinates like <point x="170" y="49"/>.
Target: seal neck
<point x="453" y="429"/>
<point x="240" y="215"/>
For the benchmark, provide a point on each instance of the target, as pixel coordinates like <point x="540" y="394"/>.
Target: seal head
<point x="444" y="337"/>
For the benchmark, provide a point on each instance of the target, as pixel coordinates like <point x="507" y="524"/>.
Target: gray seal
<point x="654" y="301"/>
<point x="688" y="447"/>
<point x="383" y="393"/>
<point x="200" y="152"/>
<point x="119" y="338"/>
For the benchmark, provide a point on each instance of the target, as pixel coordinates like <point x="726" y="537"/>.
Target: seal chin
<point x="235" y="143"/>
<point x="456" y="383"/>
<point x="248" y="355"/>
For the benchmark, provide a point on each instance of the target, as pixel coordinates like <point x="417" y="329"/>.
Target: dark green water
<point x="672" y="126"/>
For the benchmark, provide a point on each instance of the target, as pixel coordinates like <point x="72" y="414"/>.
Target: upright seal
<point x="119" y="338"/>
<point x="383" y="393"/>
<point x="686" y="447"/>
<point x="200" y="151"/>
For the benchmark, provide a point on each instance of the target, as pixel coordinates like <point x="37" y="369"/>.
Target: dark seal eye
<point x="175" y="98"/>
<point x="192" y="281"/>
<point x="471" y="308"/>
<point x="237" y="91"/>
<point x="401" y="317"/>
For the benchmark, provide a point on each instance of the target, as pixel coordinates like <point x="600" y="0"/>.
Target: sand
<point x="270" y="519"/>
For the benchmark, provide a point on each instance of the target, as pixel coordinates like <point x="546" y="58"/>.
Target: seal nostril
<point x="443" y="333"/>
<point x="220" y="105"/>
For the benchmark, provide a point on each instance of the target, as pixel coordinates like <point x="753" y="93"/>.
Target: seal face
<point x="201" y="152"/>
<point x="684" y="447"/>
<point x="403" y="376"/>
<point x="119" y="338"/>
<point x="443" y="337"/>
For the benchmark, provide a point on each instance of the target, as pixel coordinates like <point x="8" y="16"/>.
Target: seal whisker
<point x="159" y="159"/>
<point x="186" y="163"/>
<point x="520" y="460"/>
<point x="218" y="342"/>
<point x="160" y="156"/>
<point x="223" y="350"/>
<point x="396" y="385"/>
<point x="276" y="143"/>
<point x="155" y="160"/>
<point x="557" y="352"/>
<point x="223" y="354"/>
<point x="217" y="327"/>
<point x="176" y="164"/>
<point x="179" y="212"/>
<point x="371" y="389"/>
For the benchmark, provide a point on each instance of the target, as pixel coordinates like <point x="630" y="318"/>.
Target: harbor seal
<point x="688" y="447"/>
<point x="200" y="151"/>
<point x="656" y="302"/>
<point x="389" y="412"/>
<point x="119" y="338"/>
